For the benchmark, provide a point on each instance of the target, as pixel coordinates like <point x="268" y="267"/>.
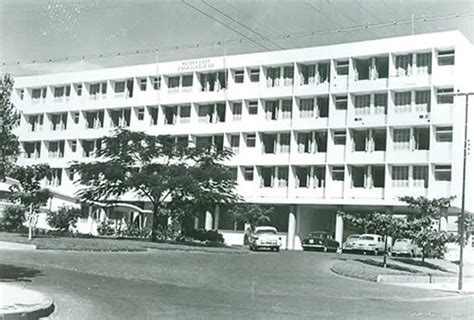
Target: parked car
<point x="348" y="245"/>
<point x="369" y="243"/>
<point x="264" y="237"/>
<point x="405" y="247"/>
<point x="320" y="240"/>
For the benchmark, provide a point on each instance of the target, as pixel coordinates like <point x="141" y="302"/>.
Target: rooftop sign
<point x="193" y="65"/>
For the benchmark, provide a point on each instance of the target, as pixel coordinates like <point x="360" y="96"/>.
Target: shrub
<point x="105" y="228"/>
<point x="63" y="219"/>
<point x="205" y="235"/>
<point x="134" y="232"/>
<point x="13" y="219"/>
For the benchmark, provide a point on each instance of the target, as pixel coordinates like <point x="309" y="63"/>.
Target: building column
<point x="216" y="217"/>
<point x="443" y="223"/>
<point x="90" y="219"/>
<point x="290" y="240"/>
<point x="196" y="222"/>
<point x="339" y="229"/>
<point x="209" y="221"/>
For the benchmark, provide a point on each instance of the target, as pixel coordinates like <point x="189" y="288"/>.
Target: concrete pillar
<point x="339" y="229"/>
<point x="216" y="217"/>
<point x="290" y="245"/>
<point x="443" y="223"/>
<point x="208" y="223"/>
<point x="90" y="219"/>
<point x="196" y="222"/>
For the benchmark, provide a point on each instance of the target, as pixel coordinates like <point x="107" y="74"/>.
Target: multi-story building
<point x="315" y="130"/>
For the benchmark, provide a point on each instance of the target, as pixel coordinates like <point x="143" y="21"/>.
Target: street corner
<point x="19" y="303"/>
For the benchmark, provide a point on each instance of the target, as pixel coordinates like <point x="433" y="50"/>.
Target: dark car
<point x="320" y="240"/>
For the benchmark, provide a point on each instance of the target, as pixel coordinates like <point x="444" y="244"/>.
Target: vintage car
<point x="369" y="243"/>
<point x="320" y="240"/>
<point x="265" y="237"/>
<point x="405" y="247"/>
<point x="348" y="245"/>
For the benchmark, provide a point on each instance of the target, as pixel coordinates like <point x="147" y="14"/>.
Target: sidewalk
<point x="468" y="287"/>
<point x="4" y="245"/>
<point x="19" y="303"/>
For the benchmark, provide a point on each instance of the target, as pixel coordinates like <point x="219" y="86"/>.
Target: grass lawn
<point x="43" y="242"/>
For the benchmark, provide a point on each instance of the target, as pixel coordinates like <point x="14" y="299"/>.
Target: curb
<point x="18" y="303"/>
<point x="4" y="245"/>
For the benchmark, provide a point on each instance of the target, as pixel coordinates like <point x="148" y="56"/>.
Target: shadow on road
<point x="12" y="273"/>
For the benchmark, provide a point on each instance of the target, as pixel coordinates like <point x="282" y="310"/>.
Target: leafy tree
<point x="421" y="224"/>
<point x="252" y="214"/>
<point x="13" y="218"/>
<point x="64" y="218"/>
<point x="9" y="146"/>
<point x="157" y="168"/>
<point x="379" y="223"/>
<point x="29" y="192"/>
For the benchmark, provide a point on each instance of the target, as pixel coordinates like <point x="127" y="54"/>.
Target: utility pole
<point x="463" y="194"/>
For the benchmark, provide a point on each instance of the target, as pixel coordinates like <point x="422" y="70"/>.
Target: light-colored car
<point x="405" y="247"/>
<point x="369" y="243"/>
<point x="265" y="237"/>
<point x="348" y="245"/>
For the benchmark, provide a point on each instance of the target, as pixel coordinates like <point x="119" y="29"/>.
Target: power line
<point x="242" y="25"/>
<point x="225" y="25"/>
<point x="210" y="44"/>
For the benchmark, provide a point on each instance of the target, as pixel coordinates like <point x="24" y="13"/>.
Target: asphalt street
<point x="196" y="285"/>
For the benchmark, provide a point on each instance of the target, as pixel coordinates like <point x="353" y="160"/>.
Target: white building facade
<point x="315" y="130"/>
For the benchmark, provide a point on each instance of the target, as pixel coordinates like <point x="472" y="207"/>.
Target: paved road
<point x="177" y="285"/>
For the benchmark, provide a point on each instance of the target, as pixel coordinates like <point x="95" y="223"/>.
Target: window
<point x="444" y="134"/>
<point x="422" y="138"/>
<point x="248" y="173"/>
<point x="306" y="108"/>
<point x="286" y="106"/>
<point x="76" y="117"/>
<point x="39" y="93"/>
<point x="342" y="68"/>
<point x="271" y="110"/>
<point x="302" y="177"/>
<point x="446" y="57"/>
<point x="423" y="63"/>
<point x="54" y="179"/>
<point x="308" y="74"/>
<point x="237" y="111"/>
<point x="187" y="81"/>
<point x="253" y="107"/>
<point x="156" y="82"/>
<point x="239" y="76"/>
<point x="380" y="103"/>
<point x="402" y="102"/>
<point x="74" y="145"/>
<point x="250" y="140"/>
<point x="323" y="107"/>
<point x="360" y="140"/>
<point x="235" y="143"/>
<point x="445" y="96"/>
<point x="420" y="176"/>
<point x="120" y="117"/>
<point x="363" y="68"/>
<point x="338" y="173"/>
<point x="379" y="138"/>
<point x="362" y="105"/>
<point x="79" y="90"/>
<point x="377" y="175"/>
<point x="359" y="177"/>
<point x="220" y="112"/>
<point x="21" y="93"/>
<point x="94" y="119"/>
<point x="255" y="75"/>
<point x="173" y="83"/>
<point x="184" y="114"/>
<point x="282" y="177"/>
<point x="422" y="101"/>
<point x="288" y="75"/>
<point x="340" y="137"/>
<point x="324" y="71"/>
<point x="401" y="139"/>
<point x="403" y="64"/>
<point x="58" y="92"/>
<point x="284" y="143"/>
<point x="153" y="115"/>
<point x="273" y="77"/>
<point x="319" y="176"/>
<point x="341" y="102"/>
<point x="321" y="141"/>
<point x="269" y="143"/>
<point x="142" y="84"/>
<point x="400" y="176"/>
<point x="266" y="174"/>
<point x="170" y="115"/>
<point x="381" y="68"/>
<point x="442" y="172"/>
<point x="141" y="113"/>
<point x="205" y="113"/>
<point x="120" y="87"/>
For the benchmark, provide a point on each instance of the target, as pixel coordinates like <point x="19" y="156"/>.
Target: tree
<point x="252" y="214"/>
<point x="29" y="192"/>
<point x="13" y="219"/>
<point x="421" y="223"/>
<point x="379" y="223"/>
<point x="64" y="218"/>
<point x="9" y="146"/>
<point x="157" y="168"/>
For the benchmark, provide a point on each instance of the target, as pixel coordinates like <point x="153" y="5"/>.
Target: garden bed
<point x="110" y="244"/>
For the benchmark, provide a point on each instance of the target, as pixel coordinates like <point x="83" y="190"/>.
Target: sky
<point x="90" y="34"/>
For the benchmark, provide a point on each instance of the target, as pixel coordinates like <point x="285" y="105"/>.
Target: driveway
<point x="195" y="285"/>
